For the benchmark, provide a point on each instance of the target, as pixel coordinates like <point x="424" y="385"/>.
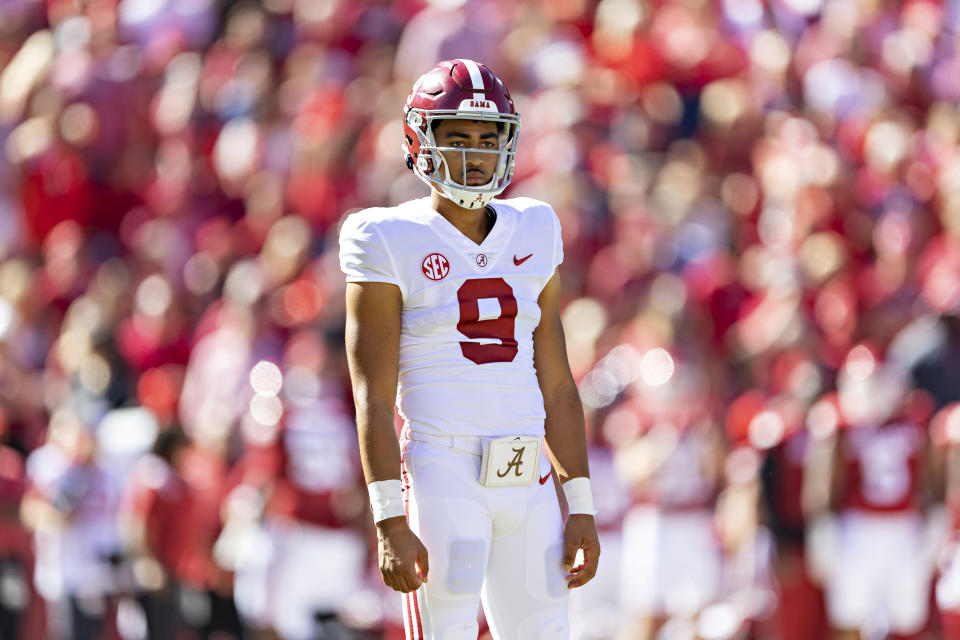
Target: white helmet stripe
<point x="475" y="77"/>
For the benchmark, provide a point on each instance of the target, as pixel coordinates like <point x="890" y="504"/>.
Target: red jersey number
<point x="500" y="328"/>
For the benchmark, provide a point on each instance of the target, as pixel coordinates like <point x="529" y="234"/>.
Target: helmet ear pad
<point x="426" y="162"/>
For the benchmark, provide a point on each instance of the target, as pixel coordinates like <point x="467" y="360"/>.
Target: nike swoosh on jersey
<point x="519" y="261"/>
<point x="544" y="479"/>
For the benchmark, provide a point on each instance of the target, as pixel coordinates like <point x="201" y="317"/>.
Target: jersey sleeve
<point x="363" y="255"/>
<point x="557" y="241"/>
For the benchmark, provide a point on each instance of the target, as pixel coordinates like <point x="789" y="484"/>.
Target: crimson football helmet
<point x="466" y="90"/>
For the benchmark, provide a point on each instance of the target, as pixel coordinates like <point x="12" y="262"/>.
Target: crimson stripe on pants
<point x="410" y="599"/>
<point x="416" y="609"/>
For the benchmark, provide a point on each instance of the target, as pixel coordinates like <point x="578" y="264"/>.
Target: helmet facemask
<point x="431" y="166"/>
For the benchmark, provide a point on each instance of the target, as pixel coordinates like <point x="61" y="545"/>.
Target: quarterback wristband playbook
<point x="386" y="500"/>
<point x="579" y="496"/>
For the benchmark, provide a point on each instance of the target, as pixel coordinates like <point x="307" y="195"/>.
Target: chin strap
<point x="462" y="198"/>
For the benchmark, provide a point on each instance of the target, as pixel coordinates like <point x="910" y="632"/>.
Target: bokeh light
<point x="656" y="367"/>
<point x="266" y="378"/>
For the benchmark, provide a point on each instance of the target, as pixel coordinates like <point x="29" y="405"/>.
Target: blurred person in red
<point x="747" y="602"/>
<point x="155" y="334"/>
<point x="65" y="147"/>
<point x="305" y="472"/>
<point x="935" y="348"/>
<point x="869" y="491"/>
<point x="55" y="186"/>
<point x="670" y="455"/>
<point x="945" y="436"/>
<point x="206" y="594"/>
<point x="157" y="501"/>
<point x="16" y="555"/>
<point x="174" y="519"/>
<point x="207" y="410"/>
<point x="216" y="398"/>
<point x="770" y="421"/>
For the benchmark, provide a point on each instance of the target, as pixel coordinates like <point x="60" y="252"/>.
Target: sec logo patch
<point x="435" y="266"/>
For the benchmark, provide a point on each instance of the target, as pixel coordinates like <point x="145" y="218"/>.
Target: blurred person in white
<point x="671" y="456"/>
<point x="868" y="488"/>
<point x="45" y="466"/>
<point x="72" y="506"/>
<point x="453" y="314"/>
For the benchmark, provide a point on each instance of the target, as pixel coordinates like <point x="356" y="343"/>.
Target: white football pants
<point x="501" y="545"/>
<point x="880" y="570"/>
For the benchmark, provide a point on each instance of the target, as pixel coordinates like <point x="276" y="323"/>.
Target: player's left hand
<point x="580" y="533"/>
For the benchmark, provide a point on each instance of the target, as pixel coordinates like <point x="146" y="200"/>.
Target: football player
<point x="453" y="314"/>
<point x="672" y="560"/>
<point x="873" y="467"/>
<point x="945" y="438"/>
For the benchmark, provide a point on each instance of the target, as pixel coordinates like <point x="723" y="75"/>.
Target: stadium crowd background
<point x="758" y="198"/>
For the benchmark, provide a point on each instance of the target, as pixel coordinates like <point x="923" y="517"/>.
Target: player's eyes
<point x="460" y="144"/>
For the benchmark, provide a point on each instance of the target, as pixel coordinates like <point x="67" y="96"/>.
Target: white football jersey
<point x="469" y="310"/>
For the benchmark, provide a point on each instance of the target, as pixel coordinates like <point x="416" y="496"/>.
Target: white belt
<point x="467" y="444"/>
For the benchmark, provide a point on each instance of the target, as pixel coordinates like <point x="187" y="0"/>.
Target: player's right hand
<point x="403" y="558"/>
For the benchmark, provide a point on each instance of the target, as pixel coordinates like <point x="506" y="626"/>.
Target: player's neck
<point x="473" y="223"/>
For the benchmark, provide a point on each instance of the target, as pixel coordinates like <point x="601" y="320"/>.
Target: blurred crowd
<point x="760" y="203"/>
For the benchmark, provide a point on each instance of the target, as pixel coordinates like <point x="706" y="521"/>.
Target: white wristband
<point x="386" y="499"/>
<point x="579" y="496"/>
